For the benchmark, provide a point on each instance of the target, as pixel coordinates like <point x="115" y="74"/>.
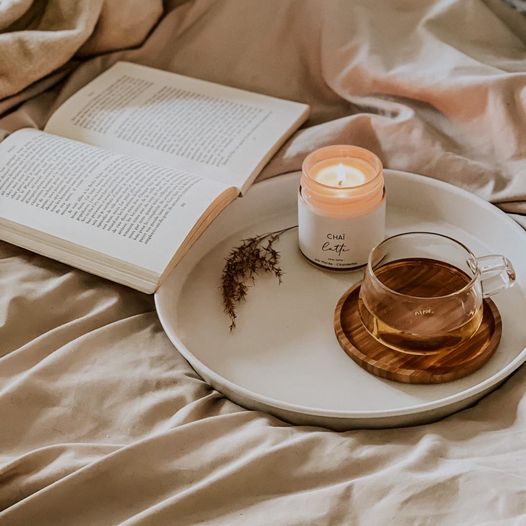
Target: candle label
<point x="339" y="243"/>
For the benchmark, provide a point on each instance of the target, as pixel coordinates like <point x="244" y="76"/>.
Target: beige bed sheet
<point x="102" y="421"/>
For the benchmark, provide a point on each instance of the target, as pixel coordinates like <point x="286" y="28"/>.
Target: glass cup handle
<point x="496" y="274"/>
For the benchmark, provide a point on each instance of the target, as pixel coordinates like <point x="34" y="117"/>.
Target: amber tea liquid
<point x="419" y="328"/>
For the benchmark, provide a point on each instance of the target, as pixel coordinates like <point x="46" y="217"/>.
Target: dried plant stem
<point x="254" y="255"/>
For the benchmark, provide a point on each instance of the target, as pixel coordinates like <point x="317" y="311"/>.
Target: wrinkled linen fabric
<point x="39" y="36"/>
<point x="103" y="422"/>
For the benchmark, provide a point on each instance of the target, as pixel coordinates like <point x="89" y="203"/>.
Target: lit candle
<point x="338" y="173"/>
<point x="341" y="206"/>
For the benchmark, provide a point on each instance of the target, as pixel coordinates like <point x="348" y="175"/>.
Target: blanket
<point x="103" y="422"/>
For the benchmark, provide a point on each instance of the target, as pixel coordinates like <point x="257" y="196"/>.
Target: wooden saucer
<point x="410" y="368"/>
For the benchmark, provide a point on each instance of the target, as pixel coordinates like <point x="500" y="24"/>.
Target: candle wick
<point x="340" y="174"/>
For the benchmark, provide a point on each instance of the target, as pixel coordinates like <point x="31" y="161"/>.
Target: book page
<point x="109" y="203"/>
<point x="215" y="131"/>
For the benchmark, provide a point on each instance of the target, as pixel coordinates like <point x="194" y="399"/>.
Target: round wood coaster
<point x="410" y="368"/>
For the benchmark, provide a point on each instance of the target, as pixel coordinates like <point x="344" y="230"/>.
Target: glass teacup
<point x="423" y="292"/>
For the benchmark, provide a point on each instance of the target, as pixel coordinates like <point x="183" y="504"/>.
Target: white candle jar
<point x="341" y="206"/>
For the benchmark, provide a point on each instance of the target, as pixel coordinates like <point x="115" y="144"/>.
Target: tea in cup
<point x="423" y="292"/>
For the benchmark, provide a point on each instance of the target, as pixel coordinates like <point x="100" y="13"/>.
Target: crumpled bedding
<point x="103" y="422"/>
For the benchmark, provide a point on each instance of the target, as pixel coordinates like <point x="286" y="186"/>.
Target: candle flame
<point x="340" y="174"/>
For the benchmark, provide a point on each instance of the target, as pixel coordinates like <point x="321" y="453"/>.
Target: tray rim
<point x="216" y="379"/>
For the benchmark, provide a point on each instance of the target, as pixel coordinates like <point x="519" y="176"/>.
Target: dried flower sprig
<point x="254" y="255"/>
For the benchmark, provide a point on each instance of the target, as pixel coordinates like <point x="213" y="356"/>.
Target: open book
<point x="132" y="168"/>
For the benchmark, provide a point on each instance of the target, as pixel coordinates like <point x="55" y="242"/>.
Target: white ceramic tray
<point x="283" y="356"/>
